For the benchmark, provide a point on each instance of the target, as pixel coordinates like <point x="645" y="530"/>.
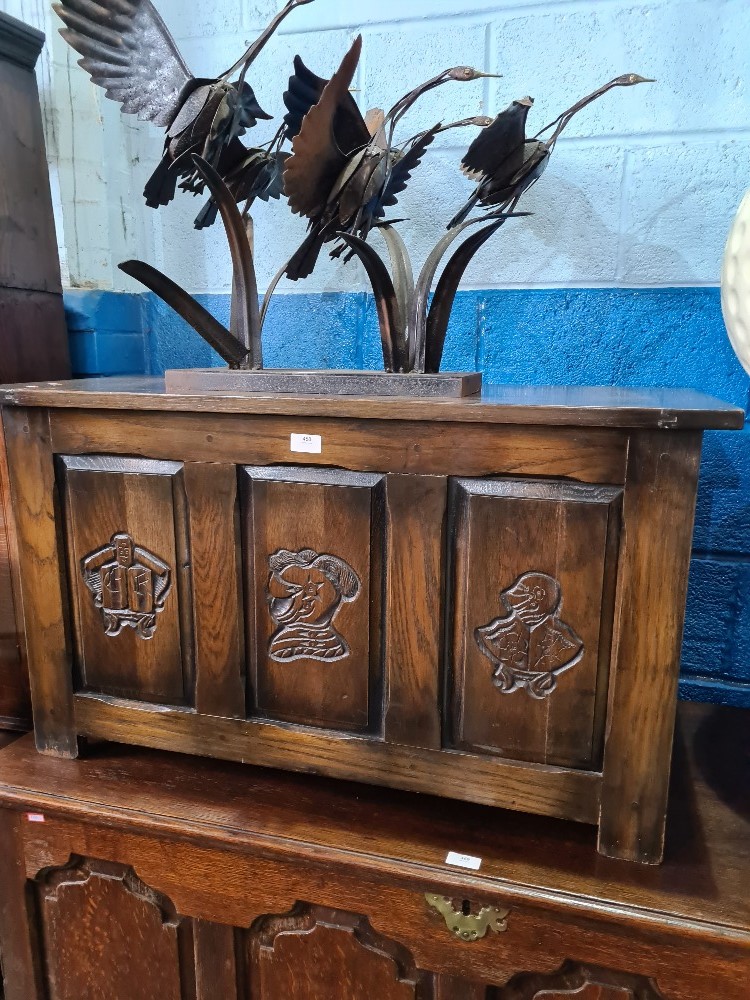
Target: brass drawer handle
<point x="469" y="926"/>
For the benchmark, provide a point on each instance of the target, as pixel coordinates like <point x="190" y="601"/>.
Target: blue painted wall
<point x="615" y="336"/>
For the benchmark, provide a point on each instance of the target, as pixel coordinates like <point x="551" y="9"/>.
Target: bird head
<point x="631" y="79"/>
<point x="465" y="74"/>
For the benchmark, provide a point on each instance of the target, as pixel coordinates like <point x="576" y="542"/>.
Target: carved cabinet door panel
<point x="319" y="954"/>
<point x="583" y="982"/>
<point x="126" y="544"/>
<point x="532" y="590"/>
<point x="313" y="544"/>
<point x="104" y="935"/>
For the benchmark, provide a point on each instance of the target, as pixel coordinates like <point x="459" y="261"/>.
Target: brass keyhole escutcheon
<point x="464" y="924"/>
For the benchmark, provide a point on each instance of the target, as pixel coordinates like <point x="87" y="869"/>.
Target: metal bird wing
<point x="403" y="168"/>
<point x="501" y="143"/>
<point x="128" y="51"/>
<point x="304" y="92"/>
<point x="329" y="135"/>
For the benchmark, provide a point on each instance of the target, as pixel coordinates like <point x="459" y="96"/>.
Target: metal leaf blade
<point x="212" y="331"/>
<point x="245" y="319"/>
<point x="445" y="295"/>
<point x="416" y="329"/>
<point x="403" y="273"/>
<point x="392" y="333"/>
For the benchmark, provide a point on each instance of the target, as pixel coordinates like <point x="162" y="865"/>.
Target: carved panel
<point x="531" y="684"/>
<point x="127" y="563"/>
<point x="320" y="954"/>
<point x="529" y="646"/>
<point x="129" y="584"/>
<point x="313" y="551"/>
<point x="305" y="593"/>
<point x="585" y="982"/>
<point x="107" y="936"/>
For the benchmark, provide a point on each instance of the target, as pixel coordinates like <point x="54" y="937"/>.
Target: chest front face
<point x="437" y="606"/>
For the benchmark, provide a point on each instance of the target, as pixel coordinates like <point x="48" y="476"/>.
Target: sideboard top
<point x="386" y="835"/>
<point x="582" y="406"/>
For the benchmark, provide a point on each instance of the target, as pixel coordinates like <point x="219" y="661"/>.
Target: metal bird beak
<point x="468" y="73"/>
<point x="631" y="79"/>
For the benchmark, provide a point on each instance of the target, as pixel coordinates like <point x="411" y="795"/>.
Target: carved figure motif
<point x="129" y="584"/>
<point x="305" y="592"/>
<point x="531" y="646"/>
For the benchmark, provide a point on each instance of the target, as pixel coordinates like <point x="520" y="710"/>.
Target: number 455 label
<point x="307" y="444"/>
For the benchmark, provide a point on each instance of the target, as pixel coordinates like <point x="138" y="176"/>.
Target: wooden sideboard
<point x="481" y="599"/>
<point x="136" y="874"/>
<point x="33" y="336"/>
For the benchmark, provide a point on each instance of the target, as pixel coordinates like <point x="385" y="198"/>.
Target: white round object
<point x="735" y="284"/>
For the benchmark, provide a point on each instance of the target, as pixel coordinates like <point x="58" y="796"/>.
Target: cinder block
<point x="313" y="331"/>
<point x="103" y="312"/>
<point x="697" y="53"/>
<point x="723" y="513"/>
<point x="402" y="57"/>
<point x="570" y="235"/>
<point x="717" y="629"/>
<point x="111" y="354"/>
<point x="198" y="20"/>
<point x="171" y="343"/>
<point x="611" y="336"/>
<point x="680" y="200"/>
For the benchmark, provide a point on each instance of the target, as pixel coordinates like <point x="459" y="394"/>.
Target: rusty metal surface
<point x="324" y="383"/>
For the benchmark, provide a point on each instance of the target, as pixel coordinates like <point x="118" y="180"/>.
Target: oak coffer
<point x="479" y="598"/>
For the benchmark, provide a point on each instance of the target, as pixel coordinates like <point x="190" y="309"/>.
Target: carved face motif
<point x="301" y="594"/>
<point x="533" y="598"/>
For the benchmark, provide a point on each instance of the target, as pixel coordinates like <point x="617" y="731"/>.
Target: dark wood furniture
<point x="33" y="337"/>
<point x="480" y="599"/>
<point x="135" y="874"/>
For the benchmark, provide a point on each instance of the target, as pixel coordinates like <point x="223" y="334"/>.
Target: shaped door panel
<point x="313" y="542"/>
<point x="532" y="588"/>
<point x="127" y="546"/>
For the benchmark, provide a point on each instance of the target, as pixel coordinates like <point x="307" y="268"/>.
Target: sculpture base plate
<point x="448" y="385"/>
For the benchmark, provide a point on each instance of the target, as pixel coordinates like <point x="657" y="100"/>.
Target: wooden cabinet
<point x="139" y="875"/>
<point x="481" y="598"/>
<point x="33" y="337"/>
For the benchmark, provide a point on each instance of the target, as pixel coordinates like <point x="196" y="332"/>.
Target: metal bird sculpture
<point x="505" y="163"/>
<point x="127" y="49"/>
<point x="345" y="170"/>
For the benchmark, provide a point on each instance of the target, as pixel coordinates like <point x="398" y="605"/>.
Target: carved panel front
<point x="584" y="982"/>
<point x="531" y="603"/>
<point x="107" y="936"/>
<point x="313" y="542"/>
<point x="127" y="546"/>
<point x="320" y="954"/>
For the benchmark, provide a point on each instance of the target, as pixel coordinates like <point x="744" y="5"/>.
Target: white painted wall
<point x="640" y="192"/>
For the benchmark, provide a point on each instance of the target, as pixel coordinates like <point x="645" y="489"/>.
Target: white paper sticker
<point x="308" y="444"/>
<point x="35" y="817"/>
<point x="463" y="861"/>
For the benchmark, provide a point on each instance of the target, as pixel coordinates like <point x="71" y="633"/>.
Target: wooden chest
<point x="481" y="599"/>
<point x="136" y="874"/>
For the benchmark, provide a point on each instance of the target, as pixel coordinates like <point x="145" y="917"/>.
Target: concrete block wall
<point x="613" y="279"/>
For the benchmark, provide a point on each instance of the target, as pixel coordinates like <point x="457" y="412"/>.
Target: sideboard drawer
<point x="532" y="588"/>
